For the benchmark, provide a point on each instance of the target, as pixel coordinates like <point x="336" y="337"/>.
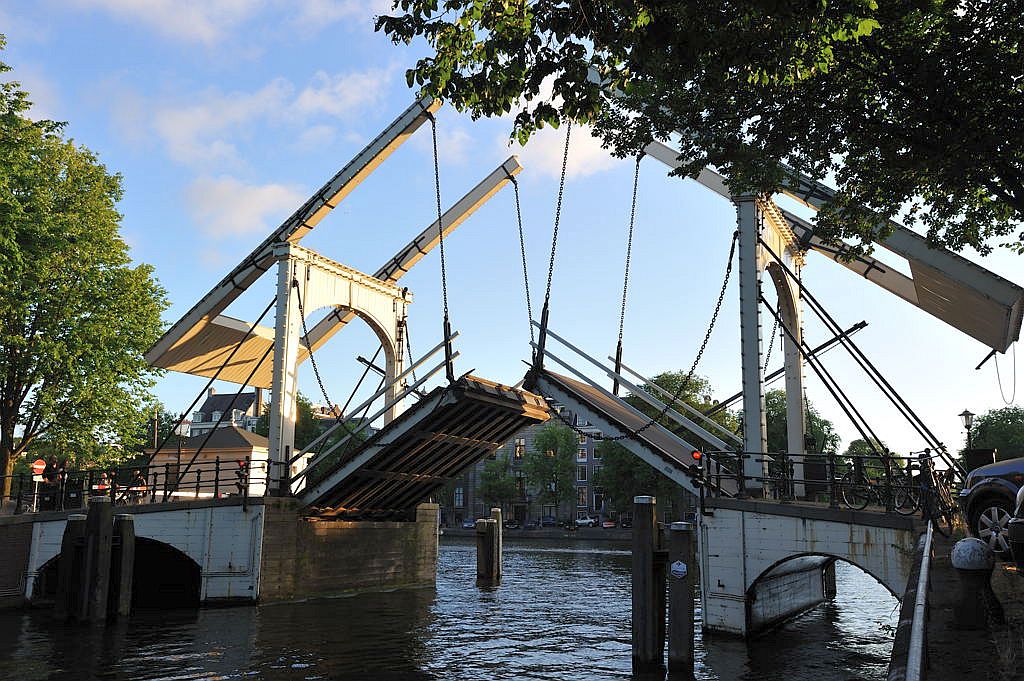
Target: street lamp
<point x="968" y="420"/>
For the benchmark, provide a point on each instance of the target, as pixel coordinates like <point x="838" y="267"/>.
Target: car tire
<point x="990" y="522"/>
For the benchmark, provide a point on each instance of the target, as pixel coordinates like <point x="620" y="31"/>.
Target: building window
<point x="459" y="498"/>
<point x="198" y="416"/>
<point x="581" y="473"/>
<point x="582" y="439"/>
<point x="215" y="416"/>
<point x="521" y="484"/>
<point x="581" y="496"/>
<point x="581" y="454"/>
<point x="597" y="452"/>
<point x="598" y="499"/>
<point x="520" y="448"/>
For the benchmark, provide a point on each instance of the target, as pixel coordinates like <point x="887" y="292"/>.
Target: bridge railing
<point x="128" y="485"/>
<point x="901" y="484"/>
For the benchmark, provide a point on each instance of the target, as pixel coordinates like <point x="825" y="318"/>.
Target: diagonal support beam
<point x="292" y="230"/>
<point x="425" y="242"/>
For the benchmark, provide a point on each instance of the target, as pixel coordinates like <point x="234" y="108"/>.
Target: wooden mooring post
<point x="648" y="588"/>
<point x="682" y="550"/>
<point x="488" y="568"/>
<point x="96" y="565"/>
<point x="498" y="543"/>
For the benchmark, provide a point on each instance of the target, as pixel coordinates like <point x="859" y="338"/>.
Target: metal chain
<point x="771" y="345"/>
<point x="408" y="345"/>
<point x="693" y="367"/>
<point x="309" y="348"/>
<point x="558" y="213"/>
<point x="440" y="227"/>
<point x="629" y="247"/>
<point x="522" y="251"/>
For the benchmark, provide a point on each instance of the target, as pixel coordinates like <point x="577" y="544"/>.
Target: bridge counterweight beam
<point x="749" y="220"/>
<point x="284" y="379"/>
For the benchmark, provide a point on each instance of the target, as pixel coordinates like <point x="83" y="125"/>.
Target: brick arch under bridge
<point x="764" y="562"/>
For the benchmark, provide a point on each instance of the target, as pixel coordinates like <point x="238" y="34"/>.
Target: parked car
<point x="548" y="521"/>
<point x="988" y="500"/>
<point x="511" y="525"/>
<point x="469" y="524"/>
<point x="608" y="524"/>
<point x="586" y="522"/>
<point x="626" y="522"/>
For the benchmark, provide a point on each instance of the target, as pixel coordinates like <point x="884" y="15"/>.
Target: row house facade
<point x="467" y="504"/>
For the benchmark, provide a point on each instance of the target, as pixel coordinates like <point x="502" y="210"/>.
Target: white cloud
<point x="197" y="21"/>
<point x="46" y="101"/>
<point x="225" y="206"/>
<point x="453" y="142"/>
<point x="543" y="153"/>
<point x="338" y="94"/>
<point x="198" y="132"/>
<point x="320" y="13"/>
<point x="317" y="136"/>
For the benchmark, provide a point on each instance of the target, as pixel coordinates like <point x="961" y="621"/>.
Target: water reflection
<point x="560" y="613"/>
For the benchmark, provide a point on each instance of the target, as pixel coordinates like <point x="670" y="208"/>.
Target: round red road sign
<point x="38" y="466"/>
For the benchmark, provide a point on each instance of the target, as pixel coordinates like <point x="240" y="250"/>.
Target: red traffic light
<point x="697" y="455"/>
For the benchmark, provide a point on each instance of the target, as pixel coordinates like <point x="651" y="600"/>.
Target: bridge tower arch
<point x="308" y="281"/>
<point x="761" y="226"/>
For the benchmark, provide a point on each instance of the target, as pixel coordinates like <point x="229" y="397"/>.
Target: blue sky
<point x="224" y="115"/>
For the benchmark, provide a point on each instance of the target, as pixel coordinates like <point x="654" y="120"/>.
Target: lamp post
<point x="968" y="420"/>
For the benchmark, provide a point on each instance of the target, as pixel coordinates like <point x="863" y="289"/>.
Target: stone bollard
<point x="978" y="606"/>
<point x="487" y="572"/>
<point x="682" y="545"/>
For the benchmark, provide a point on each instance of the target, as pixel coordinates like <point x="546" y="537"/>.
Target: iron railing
<point x="901" y="484"/>
<point x="65" y="490"/>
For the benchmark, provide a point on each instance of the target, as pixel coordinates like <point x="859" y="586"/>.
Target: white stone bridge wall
<point x="763" y="562"/>
<point x="224" y="539"/>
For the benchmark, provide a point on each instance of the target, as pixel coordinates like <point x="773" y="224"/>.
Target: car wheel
<point x="990" y="522"/>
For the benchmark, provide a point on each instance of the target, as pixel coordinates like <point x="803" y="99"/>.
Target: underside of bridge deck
<point x="445" y="433"/>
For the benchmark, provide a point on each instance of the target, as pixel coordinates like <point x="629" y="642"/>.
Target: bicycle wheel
<point x="906" y="496"/>
<point x="941" y="521"/>
<point x="855" y="494"/>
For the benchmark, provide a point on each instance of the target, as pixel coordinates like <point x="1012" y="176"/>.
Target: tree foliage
<point x="1000" y="429"/>
<point x="623" y="475"/>
<point x="550" y="467"/>
<point x="826" y="439"/>
<point x="497" y="484"/>
<point x="76" y="316"/>
<point x="913" y="108"/>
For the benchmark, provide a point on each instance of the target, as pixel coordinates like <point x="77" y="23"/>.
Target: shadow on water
<point x="560" y="613"/>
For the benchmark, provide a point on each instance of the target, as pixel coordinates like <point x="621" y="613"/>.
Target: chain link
<point x="693" y="367"/>
<point x="771" y="345"/>
<point x="440" y="226"/>
<point x="522" y="251"/>
<point x="558" y="213"/>
<point x="629" y="248"/>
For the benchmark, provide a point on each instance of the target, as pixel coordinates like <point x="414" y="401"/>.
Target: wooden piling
<point x="498" y="543"/>
<point x="682" y="547"/>
<point x="122" y="565"/>
<point x="99" y="528"/>
<point x="486" y="538"/>
<point x="648" y="594"/>
<point x="68" y="592"/>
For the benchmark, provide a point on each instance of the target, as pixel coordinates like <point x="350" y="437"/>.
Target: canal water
<point x="562" y="612"/>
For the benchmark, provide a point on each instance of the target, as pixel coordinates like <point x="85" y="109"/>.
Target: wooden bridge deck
<point x="445" y="433"/>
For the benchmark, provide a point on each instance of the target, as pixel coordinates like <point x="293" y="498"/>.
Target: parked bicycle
<point x="893" y="488"/>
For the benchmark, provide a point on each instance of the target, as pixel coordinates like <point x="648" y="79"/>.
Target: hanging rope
<point x="625" y="277"/>
<point x="999" y="379"/>
<point x="448" y="359"/>
<point x="522" y="252"/>
<point x="538" y="360"/>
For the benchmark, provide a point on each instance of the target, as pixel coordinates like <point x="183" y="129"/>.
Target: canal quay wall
<point x="232" y="551"/>
<point x="316" y="557"/>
